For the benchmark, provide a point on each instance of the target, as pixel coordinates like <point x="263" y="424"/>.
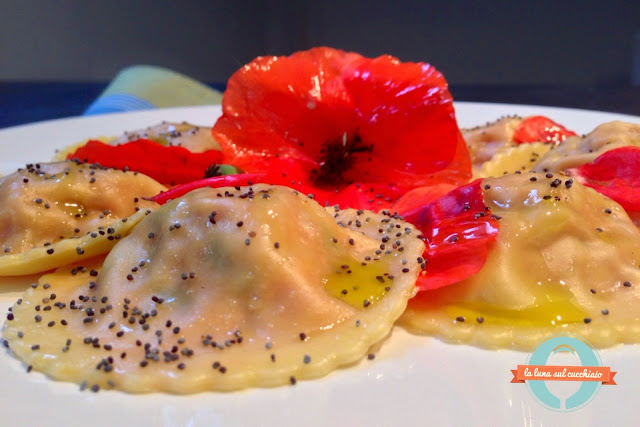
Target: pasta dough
<point x="223" y="289"/>
<point x="45" y="206"/>
<point x="566" y="259"/>
<point x="576" y="151"/>
<point x="486" y="141"/>
<point x="196" y="139"/>
<point x="519" y="158"/>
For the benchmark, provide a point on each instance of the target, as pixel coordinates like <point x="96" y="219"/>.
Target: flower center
<point x="338" y="156"/>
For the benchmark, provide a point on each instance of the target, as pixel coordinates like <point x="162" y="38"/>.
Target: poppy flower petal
<point x="284" y="106"/>
<point x="168" y="165"/>
<point x="540" y="129"/>
<point x="458" y="231"/>
<point x="459" y="171"/>
<point x="616" y="174"/>
<point x="371" y="196"/>
<point x="213" y="182"/>
<point x="406" y="112"/>
<point x="422" y="196"/>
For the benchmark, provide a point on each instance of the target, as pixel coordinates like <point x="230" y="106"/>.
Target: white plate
<point x="413" y="380"/>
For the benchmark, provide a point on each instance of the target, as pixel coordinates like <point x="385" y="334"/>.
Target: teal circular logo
<point x="577" y="347"/>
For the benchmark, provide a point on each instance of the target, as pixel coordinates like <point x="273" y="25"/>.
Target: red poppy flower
<point x="616" y="174"/>
<point x="458" y="230"/>
<point x="357" y="131"/>
<point x="169" y="165"/>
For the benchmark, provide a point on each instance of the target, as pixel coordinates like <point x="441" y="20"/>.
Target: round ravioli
<point x="222" y="289"/>
<point x="576" y="151"/>
<point x="565" y="260"/>
<point x="48" y="213"/>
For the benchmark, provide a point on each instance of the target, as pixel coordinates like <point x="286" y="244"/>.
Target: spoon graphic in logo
<point x="563" y="373"/>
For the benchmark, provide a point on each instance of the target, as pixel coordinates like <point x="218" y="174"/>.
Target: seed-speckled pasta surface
<point x="566" y="259"/>
<point x="519" y="158"/>
<point x="222" y="289"/>
<point x="196" y="139"/>
<point x="485" y="141"/>
<point x="69" y="251"/>
<point x="47" y="210"/>
<point x="576" y="151"/>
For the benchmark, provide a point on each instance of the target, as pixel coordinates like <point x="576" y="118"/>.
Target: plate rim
<point x="177" y="110"/>
<point x="501" y="358"/>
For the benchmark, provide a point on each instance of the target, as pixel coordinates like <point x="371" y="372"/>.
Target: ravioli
<point x="519" y="158"/>
<point x="576" y="151"/>
<point x="222" y="289"/>
<point x="484" y="142"/>
<point x="44" y="207"/>
<point x="566" y="259"/>
<point x="196" y="139"/>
